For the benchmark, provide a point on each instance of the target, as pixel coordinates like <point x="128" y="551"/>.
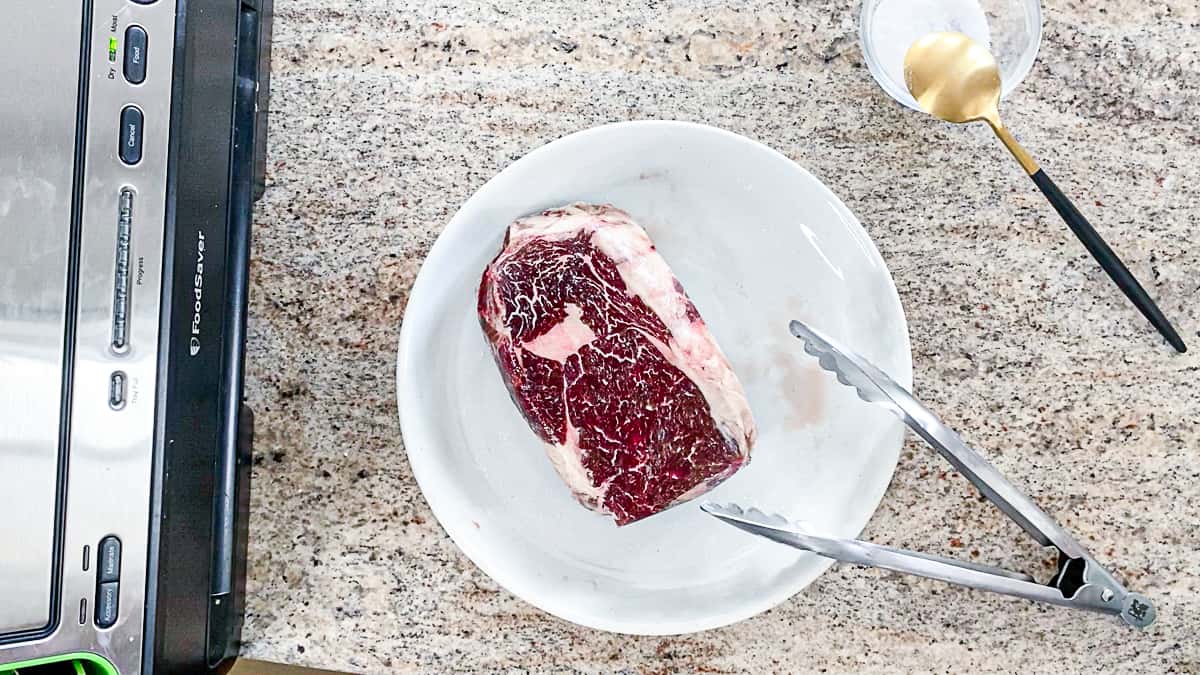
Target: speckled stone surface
<point x="387" y="115"/>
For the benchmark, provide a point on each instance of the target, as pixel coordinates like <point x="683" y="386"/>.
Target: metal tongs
<point x="1079" y="583"/>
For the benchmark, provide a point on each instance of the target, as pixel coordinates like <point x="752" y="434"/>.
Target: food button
<point x="135" y="54"/>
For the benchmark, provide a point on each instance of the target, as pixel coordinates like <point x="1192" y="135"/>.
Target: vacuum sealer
<point x="132" y="146"/>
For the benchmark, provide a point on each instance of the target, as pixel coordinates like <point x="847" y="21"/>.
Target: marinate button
<point x="109" y="568"/>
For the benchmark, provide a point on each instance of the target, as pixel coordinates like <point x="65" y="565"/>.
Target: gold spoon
<point x="956" y="79"/>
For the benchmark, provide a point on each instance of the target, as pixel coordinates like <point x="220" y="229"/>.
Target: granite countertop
<point x="387" y="116"/>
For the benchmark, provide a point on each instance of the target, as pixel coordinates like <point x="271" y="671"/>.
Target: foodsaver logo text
<point x="198" y="294"/>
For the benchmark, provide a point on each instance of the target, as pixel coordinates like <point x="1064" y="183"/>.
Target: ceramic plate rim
<point x="430" y="482"/>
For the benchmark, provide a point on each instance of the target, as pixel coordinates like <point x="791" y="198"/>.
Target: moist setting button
<point x="131" y="135"/>
<point x="135" y="54"/>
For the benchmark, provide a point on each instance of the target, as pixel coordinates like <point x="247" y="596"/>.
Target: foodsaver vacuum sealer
<point x="132" y="146"/>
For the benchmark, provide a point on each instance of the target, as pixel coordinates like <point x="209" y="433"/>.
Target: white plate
<point x="756" y="241"/>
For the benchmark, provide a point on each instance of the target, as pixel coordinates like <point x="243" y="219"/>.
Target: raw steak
<point x="611" y="364"/>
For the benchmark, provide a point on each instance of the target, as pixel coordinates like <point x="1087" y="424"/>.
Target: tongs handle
<point x="981" y="577"/>
<point x="1090" y="587"/>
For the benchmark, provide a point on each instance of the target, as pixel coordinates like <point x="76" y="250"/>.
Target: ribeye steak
<point x="611" y="364"/>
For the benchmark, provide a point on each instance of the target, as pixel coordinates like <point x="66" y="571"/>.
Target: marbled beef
<point x="611" y="364"/>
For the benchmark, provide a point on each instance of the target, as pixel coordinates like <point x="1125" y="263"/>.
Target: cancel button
<point x="131" y="135"/>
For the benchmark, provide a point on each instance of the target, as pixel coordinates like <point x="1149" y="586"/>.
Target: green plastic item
<point x="83" y="663"/>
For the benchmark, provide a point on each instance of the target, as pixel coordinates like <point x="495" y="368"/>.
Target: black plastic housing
<point x="195" y="594"/>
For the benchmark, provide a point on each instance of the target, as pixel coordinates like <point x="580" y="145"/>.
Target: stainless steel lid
<point x="37" y="151"/>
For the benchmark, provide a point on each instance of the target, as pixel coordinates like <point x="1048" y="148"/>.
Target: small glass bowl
<point x="1015" y="28"/>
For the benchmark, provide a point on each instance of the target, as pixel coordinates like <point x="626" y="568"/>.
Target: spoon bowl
<point x="953" y="78"/>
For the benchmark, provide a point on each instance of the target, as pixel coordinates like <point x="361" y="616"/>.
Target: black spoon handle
<point x="1107" y="258"/>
